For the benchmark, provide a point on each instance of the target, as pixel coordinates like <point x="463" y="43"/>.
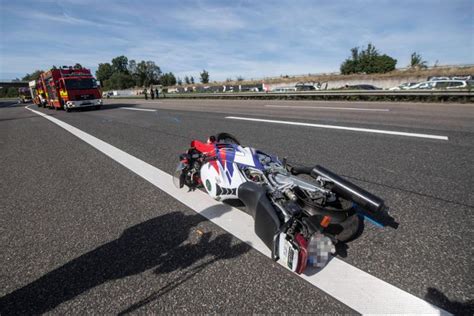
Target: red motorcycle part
<point x="209" y="149"/>
<point x="302" y="254"/>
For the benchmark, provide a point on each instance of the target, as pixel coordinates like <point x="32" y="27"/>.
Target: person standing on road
<point x="156" y="93"/>
<point x="152" y="94"/>
<point x="146" y="94"/>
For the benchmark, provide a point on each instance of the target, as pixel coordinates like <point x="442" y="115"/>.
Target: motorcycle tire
<point x="351" y="228"/>
<point x="227" y="138"/>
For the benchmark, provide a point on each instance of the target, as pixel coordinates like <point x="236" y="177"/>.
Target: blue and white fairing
<point x="223" y="176"/>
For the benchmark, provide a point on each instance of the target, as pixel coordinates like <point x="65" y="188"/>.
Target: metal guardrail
<point x="329" y="93"/>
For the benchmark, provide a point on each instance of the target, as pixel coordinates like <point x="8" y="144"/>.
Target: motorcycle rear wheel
<point x="348" y="229"/>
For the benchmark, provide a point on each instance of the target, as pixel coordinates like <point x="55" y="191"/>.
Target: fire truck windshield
<point x="81" y="84"/>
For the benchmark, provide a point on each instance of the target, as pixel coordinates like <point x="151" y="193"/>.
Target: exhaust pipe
<point x="369" y="204"/>
<point x="350" y="191"/>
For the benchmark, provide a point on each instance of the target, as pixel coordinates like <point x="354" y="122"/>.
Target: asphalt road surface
<point x="81" y="233"/>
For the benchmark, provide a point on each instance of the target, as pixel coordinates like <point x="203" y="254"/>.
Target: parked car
<point x="422" y="85"/>
<point x="443" y="84"/>
<point x="469" y="77"/>
<point x="438" y="78"/>
<point x="450" y="84"/>
<point x="284" y="89"/>
<point x="403" y="86"/>
<point x="361" y="87"/>
<point x="305" y="87"/>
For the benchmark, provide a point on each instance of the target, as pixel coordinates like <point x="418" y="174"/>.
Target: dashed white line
<point x="353" y="287"/>
<point x="346" y="128"/>
<point x="137" y="109"/>
<point x="325" y="108"/>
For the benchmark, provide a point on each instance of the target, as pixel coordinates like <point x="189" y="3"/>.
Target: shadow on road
<point x="22" y="118"/>
<point x="11" y="104"/>
<point x="159" y="244"/>
<point x="436" y="297"/>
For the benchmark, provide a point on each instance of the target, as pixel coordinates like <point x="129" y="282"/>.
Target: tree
<point x="132" y="66"/>
<point x="349" y="67"/>
<point x="417" y="62"/>
<point x="119" y="80"/>
<point x="204" y="76"/>
<point x="104" y="72"/>
<point x="367" y="61"/>
<point x="186" y="79"/>
<point x="122" y="73"/>
<point x="192" y="80"/>
<point x="11" y="92"/>
<point x="384" y="64"/>
<point x="180" y="82"/>
<point x="240" y="78"/>
<point x="168" y="79"/>
<point x="146" y="73"/>
<point x="119" y="64"/>
<point x="154" y="72"/>
<point x="33" y="76"/>
<point x="141" y="75"/>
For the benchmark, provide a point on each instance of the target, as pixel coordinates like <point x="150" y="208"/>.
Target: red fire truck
<point x="66" y="88"/>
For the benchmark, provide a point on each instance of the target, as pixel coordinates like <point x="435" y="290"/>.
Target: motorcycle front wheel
<point x="178" y="176"/>
<point x="227" y="138"/>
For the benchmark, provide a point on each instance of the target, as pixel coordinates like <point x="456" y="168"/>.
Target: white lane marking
<point x="356" y="129"/>
<point x="325" y="108"/>
<point x="353" y="287"/>
<point x="138" y="109"/>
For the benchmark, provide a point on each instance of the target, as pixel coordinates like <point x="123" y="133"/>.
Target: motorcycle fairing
<point x="267" y="224"/>
<point x="224" y="159"/>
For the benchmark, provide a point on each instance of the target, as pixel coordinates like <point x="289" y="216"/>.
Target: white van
<point x="441" y="84"/>
<point x="449" y="84"/>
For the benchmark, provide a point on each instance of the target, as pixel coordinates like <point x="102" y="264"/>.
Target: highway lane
<point x="440" y="116"/>
<point x="428" y="253"/>
<point x="80" y="233"/>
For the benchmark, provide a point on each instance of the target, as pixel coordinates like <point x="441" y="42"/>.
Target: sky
<point x="251" y="39"/>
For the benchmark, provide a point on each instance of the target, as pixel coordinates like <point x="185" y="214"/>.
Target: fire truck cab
<point x="68" y="88"/>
